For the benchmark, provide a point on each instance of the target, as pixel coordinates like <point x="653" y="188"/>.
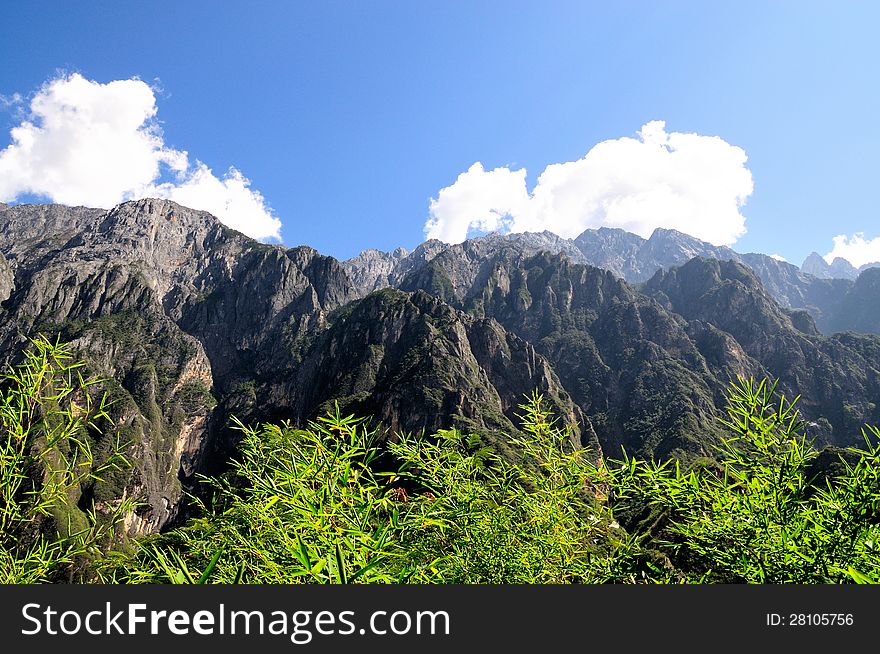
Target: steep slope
<point x="793" y="288"/>
<point x="128" y="286"/>
<point x="413" y="362"/>
<point x="637" y="259"/>
<point x="96" y="278"/>
<point x="630" y="257"/>
<point x="625" y="361"/>
<point x="858" y="309"/>
<point x="651" y="371"/>
<point x="192" y="323"/>
<point x="837" y="377"/>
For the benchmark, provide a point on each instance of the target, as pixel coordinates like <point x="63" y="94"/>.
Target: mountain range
<point x="828" y="292"/>
<point x="633" y="341"/>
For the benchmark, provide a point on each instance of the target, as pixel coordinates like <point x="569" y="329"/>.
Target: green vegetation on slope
<point x="327" y="504"/>
<point x="762" y="512"/>
<point x="46" y="411"/>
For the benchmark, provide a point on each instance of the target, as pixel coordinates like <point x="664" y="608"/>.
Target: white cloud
<point x="779" y="257"/>
<point x="478" y="200"/>
<point x="11" y="100"/>
<point x="230" y="199"/>
<point x="855" y="249"/>
<point x="86" y="143"/>
<point x="695" y="184"/>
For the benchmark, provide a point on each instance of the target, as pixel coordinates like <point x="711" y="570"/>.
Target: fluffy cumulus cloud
<point x="856" y="249"/>
<point x="85" y="143"/>
<point x="689" y="182"/>
<point x="479" y="200"/>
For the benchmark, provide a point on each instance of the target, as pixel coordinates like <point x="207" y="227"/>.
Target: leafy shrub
<point x="313" y="506"/>
<point x="299" y="506"/>
<point x="487" y="520"/>
<point x="330" y="504"/>
<point x="46" y="409"/>
<point x="760" y="514"/>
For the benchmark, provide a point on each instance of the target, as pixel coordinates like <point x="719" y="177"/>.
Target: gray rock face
<point x="192" y="322"/>
<point x="637" y="259"/>
<point x="172" y="307"/>
<point x="839" y="268"/>
<point x="817" y="288"/>
<point x="372" y="270"/>
<point x="842" y="269"/>
<point x="815" y="265"/>
<point x="7" y="279"/>
<point x="99" y="278"/>
<point x="613" y="249"/>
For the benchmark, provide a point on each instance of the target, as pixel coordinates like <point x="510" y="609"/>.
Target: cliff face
<point x="168" y="304"/>
<point x="618" y="353"/>
<point x="192" y="323"/>
<point x="838" y="377"/>
<point x="98" y="279"/>
<point x="650" y="367"/>
<point x="816" y="288"/>
<point x="414" y="362"/>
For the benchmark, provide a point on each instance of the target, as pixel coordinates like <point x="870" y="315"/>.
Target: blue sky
<point x="350" y="117"/>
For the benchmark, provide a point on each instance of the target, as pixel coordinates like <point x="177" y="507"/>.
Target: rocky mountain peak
<point x="839" y="268"/>
<point x="374" y="269"/>
<point x="816" y="265"/>
<point x="678" y="247"/>
<point x="726" y="294"/>
<point x="842" y="269"/>
<point x="667" y="233"/>
<point x="152" y="216"/>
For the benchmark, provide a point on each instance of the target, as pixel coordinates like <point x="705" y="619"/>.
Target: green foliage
<point x="194" y="396"/>
<point x="46" y="409"/>
<point x="312" y="506"/>
<point x="299" y="506"/>
<point x="491" y="521"/>
<point x="333" y="504"/>
<point x="757" y="515"/>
